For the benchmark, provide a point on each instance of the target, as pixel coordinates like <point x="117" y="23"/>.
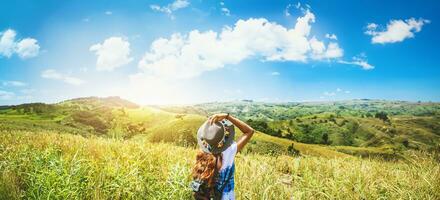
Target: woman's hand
<point x="247" y="131"/>
<point x="217" y="117"/>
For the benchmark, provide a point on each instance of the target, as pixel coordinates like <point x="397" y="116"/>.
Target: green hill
<point x="359" y="123"/>
<point x="110" y="148"/>
<point x="284" y="128"/>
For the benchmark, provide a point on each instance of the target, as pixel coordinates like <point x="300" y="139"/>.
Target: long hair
<point x="204" y="168"/>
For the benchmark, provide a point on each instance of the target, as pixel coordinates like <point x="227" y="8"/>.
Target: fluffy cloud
<point x="185" y="56"/>
<point x="224" y="10"/>
<point x="396" y="30"/>
<point x="7" y="43"/>
<point x="297" y="6"/>
<point x="170" y="8"/>
<point x="114" y="52"/>
<point x="286" y="10"/>
<point x="331" y="36"/>
<point x="28" y="48"/>
<point x="25" y="48"/>
<point x="320" y="51"/>
<point x="53" y="74"/>
<point x="14" y="83"/>
<point x="359" y="61"/>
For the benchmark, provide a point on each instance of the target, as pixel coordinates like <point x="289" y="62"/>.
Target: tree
<point x="368" y="115"/>
<point x="347" y="138"/>
<point x="383" y="116"/>
<point x="325" y="138"/>
<point x="352" y="127"/>
<point x="278" y="133"/>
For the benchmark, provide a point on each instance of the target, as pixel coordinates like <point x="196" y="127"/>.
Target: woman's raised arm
<point x="248" y="131"/>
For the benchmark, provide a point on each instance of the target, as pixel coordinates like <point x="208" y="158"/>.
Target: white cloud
<point x="331" y="36"/>
<point x="14" y="83"/>
<point x="5" y="95"/>
<point x="53" y="74"/>
<point x="185" y="56"/>
<point x="297" y="6"/>
<point x="7" y="43"/>
<point x="320" y="51"/>
<point x="170" y="8"/>
<point x="338" y="91"/>
<point x="114" y="52"/>
<point x="178" y="4"/>
<point x="286" y="10"/>
<point x="396" y="30"/>
<point x="275" y="74"/>
<point x="28" y="48"/>
<point x="370" y="27"/>
<point x="25" y="48"/>
<point x="108" y="12"/>
<point x="359" y="61"/>
<point x="226" y="11"/>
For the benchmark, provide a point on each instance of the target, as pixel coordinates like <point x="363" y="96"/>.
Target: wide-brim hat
<point x="215" y="138"/>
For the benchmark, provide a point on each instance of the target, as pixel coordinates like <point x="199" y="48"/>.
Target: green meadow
<point x="109" y="148"/>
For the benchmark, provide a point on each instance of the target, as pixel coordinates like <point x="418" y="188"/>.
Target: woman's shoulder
<point x="231" y="149"/>
<point x="229" y="154"/>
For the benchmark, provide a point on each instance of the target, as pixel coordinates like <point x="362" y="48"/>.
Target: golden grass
<point x="307" y="149"/>
<point x="61" y="166"/>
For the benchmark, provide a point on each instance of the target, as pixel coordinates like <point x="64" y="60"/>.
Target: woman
<point x="214" y="170"/>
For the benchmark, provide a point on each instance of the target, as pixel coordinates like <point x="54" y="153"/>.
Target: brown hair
<point x="204" y="168"/>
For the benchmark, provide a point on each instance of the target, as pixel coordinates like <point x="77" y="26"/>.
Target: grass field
<point x="94" y="148"/>
<point x="51" y="165"/>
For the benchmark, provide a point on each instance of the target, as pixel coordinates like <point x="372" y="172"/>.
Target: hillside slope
<point x="359" y="123"/>
<point x="320" y="130"/>
<point x="94" y="149"/>
<point x="94" y="116"/>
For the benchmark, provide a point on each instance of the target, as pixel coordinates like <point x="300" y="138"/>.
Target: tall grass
<point x="62" y="166"/>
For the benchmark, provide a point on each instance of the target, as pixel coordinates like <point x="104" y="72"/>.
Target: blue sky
<point x="191" y="51"/>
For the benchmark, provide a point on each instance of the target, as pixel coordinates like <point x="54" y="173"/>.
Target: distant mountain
<point x="358" y="107"/>
<point x="359" y="123"/>
<point x="113" y="102"/>
<point x="378" y="124"/>
<point x="85" y="116"/>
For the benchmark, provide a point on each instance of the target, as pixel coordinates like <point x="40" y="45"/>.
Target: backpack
<point x="202" y="191"/>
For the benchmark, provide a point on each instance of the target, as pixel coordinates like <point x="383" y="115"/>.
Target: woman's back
<point x="226" y="172"/>
<point x="214" y="170"/>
